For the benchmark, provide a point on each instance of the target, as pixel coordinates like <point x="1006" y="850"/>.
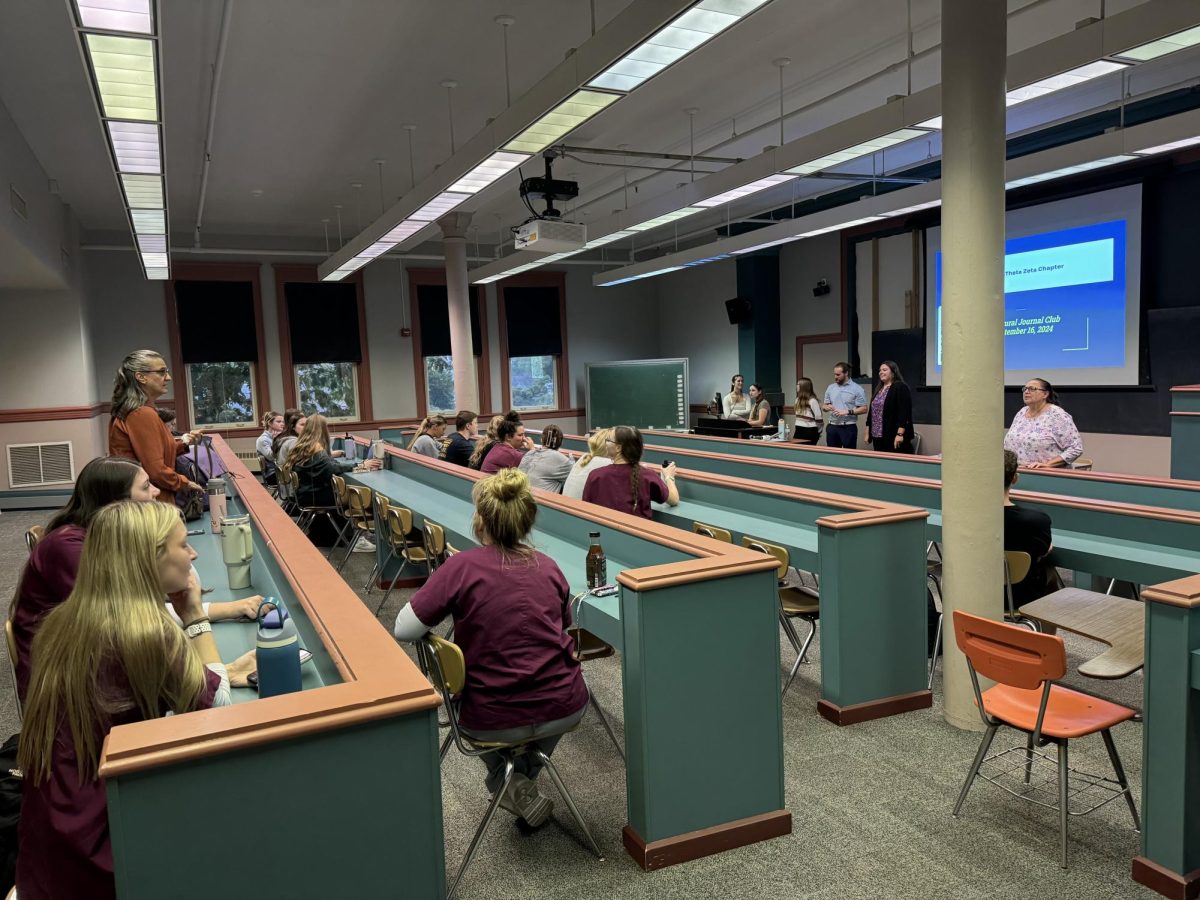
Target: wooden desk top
<point x="1116" y="621"/>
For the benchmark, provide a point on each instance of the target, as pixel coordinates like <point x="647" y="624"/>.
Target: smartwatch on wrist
<point x="197" y="628"/>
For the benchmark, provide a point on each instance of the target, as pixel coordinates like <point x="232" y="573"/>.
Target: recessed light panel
<point x="136" y="146"/>
<point x="561" y="120"/>
<point x="148" y="221"/>
<point x="491" y="169"/>
<point x="125" y="78"/>
<point x="665" y="218"/>
<point x="1167" y="148"/>
<point x="866" y="148"/>
<point x="116" y="15"/>
<point x="1069" y="170"/>
<point x="438" y="206"/>
<point x="745" y="190"/>
<point x="1062" y="81"/>
<point x="1162" y="47"/>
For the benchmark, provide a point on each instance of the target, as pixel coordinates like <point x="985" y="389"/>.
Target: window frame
<point x="338" y="420"/>
<point x="535" y="279"/>
<point x="259" y="387"/>
<point x="255" y="407"/>
<point x="290" y="273"/>
<point x="483" y="368"/>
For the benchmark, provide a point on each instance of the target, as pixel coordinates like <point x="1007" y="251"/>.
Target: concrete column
<point x="973" y="67"/>
<point x="458" y="298"/>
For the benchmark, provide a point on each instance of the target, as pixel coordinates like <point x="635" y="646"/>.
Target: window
<point x="221" y="395"/>
<point x="322" y="331"/>
<point x="215" y="345"/>
<point x="433" y="364"/>
<point x="532" y="333"/>
<point x="330" y="389"/>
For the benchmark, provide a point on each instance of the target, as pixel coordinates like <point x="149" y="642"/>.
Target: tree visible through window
<point x="330" y="389"/>
<point x="439" y="384"/>
<point x="531" y="381"/>
<point x="221" y="394"/>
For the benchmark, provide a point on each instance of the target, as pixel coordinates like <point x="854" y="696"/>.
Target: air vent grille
<point x="34" y="465"/>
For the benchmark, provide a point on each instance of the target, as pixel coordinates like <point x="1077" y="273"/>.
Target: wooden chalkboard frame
<point x="681" y="361"/>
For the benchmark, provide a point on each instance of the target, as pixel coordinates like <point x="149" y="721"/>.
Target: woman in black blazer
<point x="889" y="420"/>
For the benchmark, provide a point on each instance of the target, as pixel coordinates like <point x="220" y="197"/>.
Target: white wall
<point x="801" y="265"/>
<point x="385" y="295"/>
<point x="692" y="322"/>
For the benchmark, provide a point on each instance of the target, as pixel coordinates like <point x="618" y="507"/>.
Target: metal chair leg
<point x="483" y="826"/>
<point x="444" y="749"/>
<point x="1062" y="804"/>
<point x="392" y="585"/>
<point x="604" y="721"/>
<point x="349" y="549"/>
<point x="376" y="571"/>
<point x="1120" y="771"/>
<point x="1028" y="756"/>
<point x="984" y="746"/>
<point x="569" y="800"/>
<point x="937" y="646"/>
<point x="800" y="657"/>
<point x="789" y="632"/>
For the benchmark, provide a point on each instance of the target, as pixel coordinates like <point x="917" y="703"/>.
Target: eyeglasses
<point x="1029" y="390"/>
<point x="163" y="371"/>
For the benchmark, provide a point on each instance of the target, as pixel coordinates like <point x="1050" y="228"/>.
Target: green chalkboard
<point x="648" y="393"/>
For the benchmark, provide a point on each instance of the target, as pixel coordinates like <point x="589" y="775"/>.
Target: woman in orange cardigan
<point x="135" y="430"/>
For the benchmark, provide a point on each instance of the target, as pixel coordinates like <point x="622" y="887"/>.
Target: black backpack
<point x="10" y="811"/>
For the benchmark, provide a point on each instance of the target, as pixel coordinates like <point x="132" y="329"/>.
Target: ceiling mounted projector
<point x="551" y="236"/>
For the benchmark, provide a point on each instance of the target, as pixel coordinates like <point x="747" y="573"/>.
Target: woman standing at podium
<point x="736" y="405"/>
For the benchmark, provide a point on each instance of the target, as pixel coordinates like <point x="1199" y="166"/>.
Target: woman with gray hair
<point x="135" y="430"/>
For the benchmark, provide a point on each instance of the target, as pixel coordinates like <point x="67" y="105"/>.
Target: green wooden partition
<point x="696" y="624"/>
<point x="293" y="778"/>
<point x="1170" y="858"/>
<point x="1185" y="432"/>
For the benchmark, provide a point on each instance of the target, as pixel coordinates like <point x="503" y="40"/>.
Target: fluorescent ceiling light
<point x="608" y="238"/>
<point x="152" y="243"/>
<point x="1163" y="46"/>
<point x="665" y="218"/>
<point x="154" y="260"/>
<point x="1049" y="85"/>
<point x="639" y="277"/>
<point x="865" y="148"/>
<point x="904" y="210"/>
<point x="157" y="274"/>
<point x="681" y="36"/>
<point x="438" y="206"/>
<point x="143" y="191"/>
<point x="494" y="167"/>
<point x="1167" y="148"/>
<point x="124" y="69"/>
<point x="775" y="243"/>
<point x="136" y="146"/>
<point x="706" y="260"/>
<point x="116" y="15"/>
<point x="1062" y="81"/>
<point x="564" y="118"/>
<point x="377" y="249"/>
<point x="148" y="221"/>
<point x="745" y="190"/>
<point x="405" y="229"/>
<point x="1069" y="170"/>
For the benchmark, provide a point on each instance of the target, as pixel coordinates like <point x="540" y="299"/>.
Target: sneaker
<point x="364" y="545"/>
<point x="523" y="800"/>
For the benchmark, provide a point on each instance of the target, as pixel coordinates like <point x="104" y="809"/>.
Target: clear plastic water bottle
<point x="782" y="429"/>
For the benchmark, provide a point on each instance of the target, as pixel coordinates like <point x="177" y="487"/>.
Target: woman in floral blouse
<point x="1043" y="434"/>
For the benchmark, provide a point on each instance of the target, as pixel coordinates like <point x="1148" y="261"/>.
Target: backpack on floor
<point x="10" y="811"/>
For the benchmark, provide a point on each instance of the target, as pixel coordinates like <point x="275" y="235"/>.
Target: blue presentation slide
<point x="1064" y="299"/>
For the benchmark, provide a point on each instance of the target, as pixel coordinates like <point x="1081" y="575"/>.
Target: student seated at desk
<point x="315" y="467"/>
<point x="546" y="465"/>
<point x="272" y="423"/>
<point x="596" y="457"/>
<point x="510" y="447"/>
<point x="462" y="442"/>
<point x="626" y="485"/>
<point x="294" y="421"/>
<point x="484" y="445"/>
<point x="53" y="565"/>
<point x="108" y="656"/>
<point x="428" y="439"/>
<point x="511" y="611"/>
<point x="1027" y="530"/>
<point x="760" y="409"/>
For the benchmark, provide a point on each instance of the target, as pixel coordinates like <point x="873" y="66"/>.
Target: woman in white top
<point x="808" y="413"/>
<point x="428" y="439"/>
<point x="1043" y="434"/>
<point x="736" y="404"/>
<point x="596" y="457"/>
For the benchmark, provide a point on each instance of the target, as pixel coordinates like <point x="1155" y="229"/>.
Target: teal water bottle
<point x="277" y="651"/>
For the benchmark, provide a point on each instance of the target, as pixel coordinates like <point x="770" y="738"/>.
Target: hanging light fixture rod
<point x="681" y="157"/>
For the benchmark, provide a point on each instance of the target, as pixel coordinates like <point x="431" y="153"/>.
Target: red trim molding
<point x="52" y="413"/>
<point x="705" y="842"/>
<point x="284" y="273"/>
<point x="874" y="709"/>
<point x="1164" y="881"/>
<point x="534" y="279"/>
<point x="215" y="271"/>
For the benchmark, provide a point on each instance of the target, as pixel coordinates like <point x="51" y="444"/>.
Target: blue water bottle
<point x="277" y="651"/>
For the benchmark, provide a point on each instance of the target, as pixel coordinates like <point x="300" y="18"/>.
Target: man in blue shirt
<point x="845" y="402"/>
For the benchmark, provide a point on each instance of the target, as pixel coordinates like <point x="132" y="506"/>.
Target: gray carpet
<point x="871" y="805"/>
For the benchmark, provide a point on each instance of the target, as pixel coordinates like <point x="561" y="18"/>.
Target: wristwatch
<point x="203" y="626"/>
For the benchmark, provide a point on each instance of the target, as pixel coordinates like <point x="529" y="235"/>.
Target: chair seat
<point x="799" y="601"/>
<point x="1069" y="714"/>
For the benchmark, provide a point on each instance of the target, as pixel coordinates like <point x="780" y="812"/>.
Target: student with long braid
<point x="625" y="486"/>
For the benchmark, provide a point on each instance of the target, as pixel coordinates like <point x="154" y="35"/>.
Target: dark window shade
<point x="531" y="315"/>
<point x="432" y="300"/>
<point x="216" y="321"/>
<point x="323" y="322"/>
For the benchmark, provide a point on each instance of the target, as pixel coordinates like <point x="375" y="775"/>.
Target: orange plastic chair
<point x="1025" y="665"/>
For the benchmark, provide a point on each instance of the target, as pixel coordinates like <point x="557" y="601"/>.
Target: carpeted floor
<point x="871" y="805"/>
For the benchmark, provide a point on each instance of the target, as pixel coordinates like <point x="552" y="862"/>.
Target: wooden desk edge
<point x="380" y="678"/>
<point x="1185" y="387"/>
<point x="1183" y="592"/>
